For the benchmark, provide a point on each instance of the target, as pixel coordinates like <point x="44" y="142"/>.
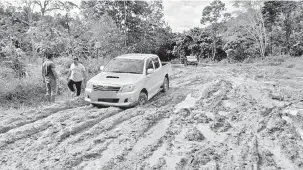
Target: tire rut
<point x="40" y="115"/>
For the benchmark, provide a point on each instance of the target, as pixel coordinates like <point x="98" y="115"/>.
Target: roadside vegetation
<point x="266" y="32"/>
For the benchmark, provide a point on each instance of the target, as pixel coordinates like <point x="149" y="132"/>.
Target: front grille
<point x="108" y="100"/>
<point x="105" y="88"/>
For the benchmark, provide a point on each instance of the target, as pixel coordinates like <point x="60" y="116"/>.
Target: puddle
<point x="152" y="135"/>
<point x="153" y="160"/>
<point x="187" y="103"/>
<point x="191" y="101"/>
<point x="210" y="115"/>
<point x="292" y="112"/>
<point x="255" y="94"/>
<point x="210" y="135"/>
<point x="230" y="104"/>
<point x="217" y="92"/>
<point x="281" y="159"/>
<point x="299" y="130"/>
<point x="223" y="113"/>
<point x="277" y="103"/>
<point x="288" y="120"/>
<point x="266" y="104"/>
<point x="171" y="160"/>
<point x="180" y="84"/>
<point x="113" y="150"/>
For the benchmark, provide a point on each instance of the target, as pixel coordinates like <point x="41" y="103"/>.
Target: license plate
<point x="103" y="94"/>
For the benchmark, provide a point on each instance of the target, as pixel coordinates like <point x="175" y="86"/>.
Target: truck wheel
<point x="142" y="99"/>
<point x="165" y="85"/>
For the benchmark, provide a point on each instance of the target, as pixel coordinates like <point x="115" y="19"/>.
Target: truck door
<point x="150" y="84"/>
<point x="158" y="73"/>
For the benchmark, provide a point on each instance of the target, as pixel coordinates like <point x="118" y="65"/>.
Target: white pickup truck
<point x="128" y="80"/>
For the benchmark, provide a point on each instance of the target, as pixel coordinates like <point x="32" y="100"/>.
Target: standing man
<point x="76" y="75"/>
<point x="50" y="76"/>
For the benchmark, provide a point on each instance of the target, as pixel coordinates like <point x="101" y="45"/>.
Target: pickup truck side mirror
<point x="101" y="68"/>
<point x="150" y="71"/>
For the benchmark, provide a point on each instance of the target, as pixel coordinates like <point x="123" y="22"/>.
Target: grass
<point x="30" y="91"/>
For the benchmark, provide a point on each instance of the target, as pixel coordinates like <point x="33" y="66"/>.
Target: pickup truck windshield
<point x="191" y="58"/>
<point x="123" y="65"/>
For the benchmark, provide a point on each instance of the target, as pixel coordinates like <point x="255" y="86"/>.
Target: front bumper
<point x="111" y="98"/>
<point x="192" y="63"/>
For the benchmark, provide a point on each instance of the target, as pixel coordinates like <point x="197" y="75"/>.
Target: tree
<point x="213" y="15"/>
<point x="51" y="5"/>
<point x="284" y="10"/>
<point x="142" y="22"/>
<point x="252" y="24"/>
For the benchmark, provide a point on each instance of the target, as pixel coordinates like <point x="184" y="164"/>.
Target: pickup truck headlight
<point x="127" y="88"/>
<point x="89" y="85"/>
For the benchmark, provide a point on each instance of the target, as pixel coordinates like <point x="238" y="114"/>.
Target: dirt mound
<point x="194" y="135"/>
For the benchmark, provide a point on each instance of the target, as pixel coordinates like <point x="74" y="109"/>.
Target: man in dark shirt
<point x="49" y="77"/>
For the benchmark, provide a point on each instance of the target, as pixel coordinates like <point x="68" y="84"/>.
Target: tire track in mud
<point x="107" y="136"/>
<point x="141" y="155"/>
<point x="152" y="138"/>
<point x="40" y="126"/>
<point x="88" y="124"/>
<point x="51" y="143"/>
<point x="146" y="122"/>
<point x="44" y="113"/>
<point x="29" y="129"/>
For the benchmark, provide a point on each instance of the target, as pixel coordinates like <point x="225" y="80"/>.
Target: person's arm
<point x="54" y="71"/>
<point x="84" y="73"/>
<point x="68" y="74"/>
<point x="43" y="75"/>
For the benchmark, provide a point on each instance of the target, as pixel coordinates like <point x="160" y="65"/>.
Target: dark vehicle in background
<point x="191" y="60"/>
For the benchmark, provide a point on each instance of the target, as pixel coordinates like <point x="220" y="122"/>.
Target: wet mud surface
<point x="213" y="117"/>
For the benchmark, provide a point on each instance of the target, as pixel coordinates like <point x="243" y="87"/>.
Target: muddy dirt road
<point x="213" y="117"/>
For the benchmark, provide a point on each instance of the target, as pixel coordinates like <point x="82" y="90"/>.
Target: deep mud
<point x="213" y="117"/>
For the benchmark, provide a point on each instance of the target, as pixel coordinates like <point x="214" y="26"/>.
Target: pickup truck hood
<point x="115" y="78"/>
<point x="192" y="60"/>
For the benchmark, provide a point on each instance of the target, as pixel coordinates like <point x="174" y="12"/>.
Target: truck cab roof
<point x="137" y="56"/>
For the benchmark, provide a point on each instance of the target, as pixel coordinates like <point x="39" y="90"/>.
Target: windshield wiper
<point x="132" y="72"/>
<point x="116" y="72"/>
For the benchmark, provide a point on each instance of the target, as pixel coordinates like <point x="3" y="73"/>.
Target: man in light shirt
<point x="50" y="76"/>
<point x="76" y="75"/>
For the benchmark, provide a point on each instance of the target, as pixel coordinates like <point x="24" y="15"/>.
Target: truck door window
<point x="156" y="62"/>
<point x="149" y="64"/>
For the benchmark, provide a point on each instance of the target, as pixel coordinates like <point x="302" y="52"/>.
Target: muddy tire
<point x="142" y="99"/>
<point x="165" y="85"/>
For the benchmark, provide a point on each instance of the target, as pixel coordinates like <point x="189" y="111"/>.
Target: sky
<point x="181" y="15"/>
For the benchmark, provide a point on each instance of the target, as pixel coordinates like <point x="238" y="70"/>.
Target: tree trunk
<point x="214" y="47"/>
<point x="288" y="32"/>
<point x="125" y="24"/>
